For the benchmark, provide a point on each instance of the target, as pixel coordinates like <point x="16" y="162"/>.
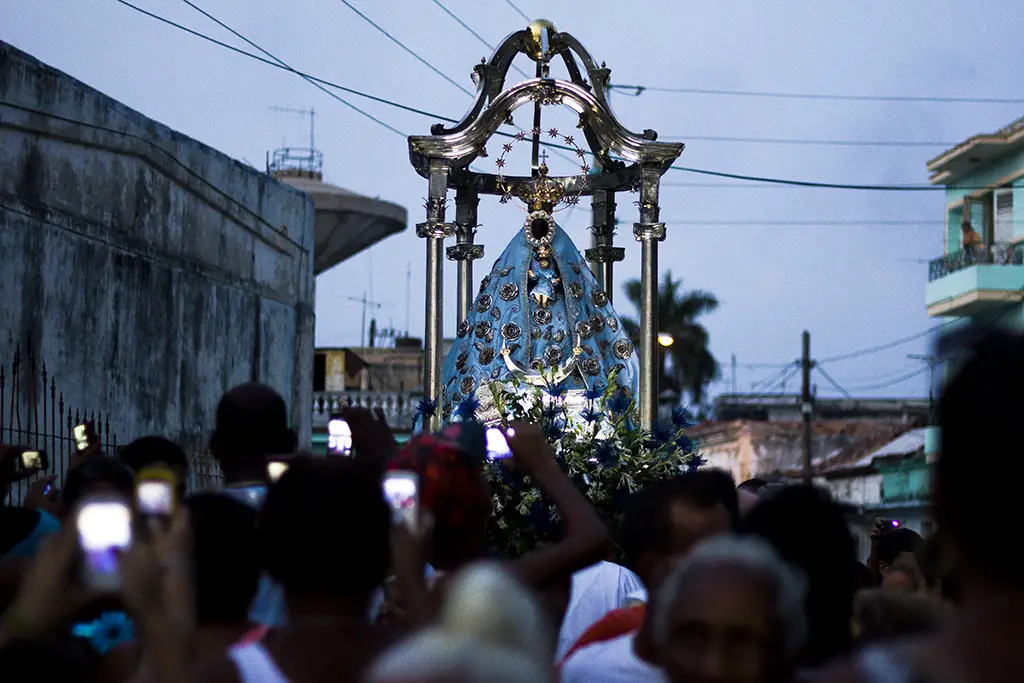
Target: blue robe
<point x="539" y="314"/>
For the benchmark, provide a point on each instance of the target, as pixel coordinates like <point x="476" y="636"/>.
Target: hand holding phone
<point x="35" y="460"/>
<point x="276" y="469"/>
<point x="497" y="443"/>
<point x="85" y="436"/>
<point x="339" y="436"/>
<point x="104" y="527"/>
<point x="401" y="491"/>
<point x="156" y="492"/>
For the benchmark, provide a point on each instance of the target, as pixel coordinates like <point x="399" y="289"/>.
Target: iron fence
<point x="34" y="413"/>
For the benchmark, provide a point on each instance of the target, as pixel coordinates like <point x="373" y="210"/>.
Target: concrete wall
<point x="148" y="271"/>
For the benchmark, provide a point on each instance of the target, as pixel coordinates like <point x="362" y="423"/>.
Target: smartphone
<point x="497" y="444"/>
<point x="401" y="491"/>
<point x="104" y="526"/>
<point x="85" y="436"/>
<point x="35" y="460"/>
<point x="339" y="437"/>
<point x="276" y="470"/>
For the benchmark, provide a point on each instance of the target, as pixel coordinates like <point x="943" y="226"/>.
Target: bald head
<point x="252" y="423"/>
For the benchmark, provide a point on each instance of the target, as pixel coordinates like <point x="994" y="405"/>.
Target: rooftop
<point x="957" y="162"/>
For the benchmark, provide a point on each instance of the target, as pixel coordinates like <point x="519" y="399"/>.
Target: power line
<point x="800" y="141"/>
<point x="476" y="35"/>
<point x="835" y="385"/>
<point x="759" y="181"/>
<point x="407" y="49"/>
<point x="778" y="379"/>
<point x="894" y="382"/>
<point x="802" y="222"/>
<point x="519" y="11"/>
<point x="640" y="89"/>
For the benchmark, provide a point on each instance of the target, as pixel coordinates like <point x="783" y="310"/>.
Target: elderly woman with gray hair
<point x="730" y="612"/>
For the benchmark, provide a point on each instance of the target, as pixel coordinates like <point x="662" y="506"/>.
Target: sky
<point x="764" y="250"/>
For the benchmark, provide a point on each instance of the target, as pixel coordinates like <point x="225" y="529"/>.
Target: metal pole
<point x="734" y="373"/>
<point x="602" y="255"/>
<point x="931" y="360"/>
<point x="464" y="252"/>
<point x="435" y="230"/>
<point x="649" y="232"/>
<point x="806" y="407"/>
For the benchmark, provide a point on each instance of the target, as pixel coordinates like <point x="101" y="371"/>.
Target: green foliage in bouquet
<point x="597" y="445"/>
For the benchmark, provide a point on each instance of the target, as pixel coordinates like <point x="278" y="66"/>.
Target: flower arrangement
<point x="596" y="444"/>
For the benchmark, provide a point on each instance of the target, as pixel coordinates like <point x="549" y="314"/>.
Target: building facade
<point x="980" y="275"/>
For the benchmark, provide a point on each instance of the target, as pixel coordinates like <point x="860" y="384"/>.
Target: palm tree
<point x="693" y="367"/>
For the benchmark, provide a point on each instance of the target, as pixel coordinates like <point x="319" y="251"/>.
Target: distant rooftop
<point x="976" y="151"/>
<point x="783" y="407"/>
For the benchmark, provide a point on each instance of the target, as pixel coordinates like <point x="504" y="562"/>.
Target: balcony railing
<point x="999" y="254"/>
<point x="399" y="407"/>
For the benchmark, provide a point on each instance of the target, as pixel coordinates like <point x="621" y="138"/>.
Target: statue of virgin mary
<point x="539" y="317"/>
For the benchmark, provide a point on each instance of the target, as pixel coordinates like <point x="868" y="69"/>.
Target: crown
<point x="542" y="193"/>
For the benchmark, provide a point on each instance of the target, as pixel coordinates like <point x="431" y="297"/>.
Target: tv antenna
<point x="311" y="113"/>
<point x="365" y="301"/>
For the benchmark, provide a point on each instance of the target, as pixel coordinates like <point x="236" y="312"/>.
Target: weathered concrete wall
<point x="148" y="271"/>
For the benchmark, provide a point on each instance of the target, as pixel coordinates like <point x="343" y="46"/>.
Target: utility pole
<point x="931" y="361"/>
<point x="365" y="302"/>
<point x="806" y="407"/>
<point x="734" y="373"/>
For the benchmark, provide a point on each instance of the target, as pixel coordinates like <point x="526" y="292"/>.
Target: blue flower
<point x="592" y="415"/>
<point x="685" y="444"/>
<point x="618" y="403"/>
<point x="557" y="390"/>
<point x="681" y="417"/>
<point x="467" y="409"/>
<point x="695" y="463"/>
<point x="427" y="407"/>
<point x="663" y="434"/>
<point x="594" y="393"/>
<point x="555" y="429"/>
<point x="106" y="632"/>
<point x="606" y="453"/>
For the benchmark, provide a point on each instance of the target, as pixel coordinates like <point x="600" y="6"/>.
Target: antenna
<point x="311" y="113"/>
<point x="365" y="301"/>
<point x="408" y="295"/>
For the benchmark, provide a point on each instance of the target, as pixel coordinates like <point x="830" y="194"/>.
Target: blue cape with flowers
<point x="507" y="314"/>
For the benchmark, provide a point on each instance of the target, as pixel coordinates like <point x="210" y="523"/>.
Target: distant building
<point x="983" y="281"/>
<point x="783" y="407"/>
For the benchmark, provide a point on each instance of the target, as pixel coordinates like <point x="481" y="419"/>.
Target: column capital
<point x="435" y="230"/>
<point x="605" y="254"/>
<point x="465" y="252"/>
<point x="644" y="232"/>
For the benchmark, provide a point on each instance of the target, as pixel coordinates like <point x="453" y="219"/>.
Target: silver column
<point x="464" y="252"/>
<point x="434" y="230"/>
<point x="602" y="255"/>
<point x="649" y="232"/>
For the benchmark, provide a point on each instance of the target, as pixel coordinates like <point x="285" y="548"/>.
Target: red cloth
<point x="253" y="636"/>
<point x="616" y="623"/>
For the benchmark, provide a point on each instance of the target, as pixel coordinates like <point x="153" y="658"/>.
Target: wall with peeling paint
<point x="148" y="271"/>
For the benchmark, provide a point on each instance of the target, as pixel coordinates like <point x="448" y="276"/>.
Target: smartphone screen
<point x="104" y="528"/>
<point x="34" y="460"/>
<point x="339" y="437"/>
<point x="81" y="436"/>
<point x="276" y="470"/>
<point x="401" y="490"/>
<point x="155" y="497"/>
<point x="497" y="445"/>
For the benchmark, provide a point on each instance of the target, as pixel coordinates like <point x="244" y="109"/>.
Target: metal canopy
<point x="626" y="161"/>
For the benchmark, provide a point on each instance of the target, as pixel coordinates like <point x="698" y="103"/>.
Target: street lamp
<point x="665" y="339"/>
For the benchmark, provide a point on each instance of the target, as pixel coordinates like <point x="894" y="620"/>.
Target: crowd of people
<point x="312" y="577"/>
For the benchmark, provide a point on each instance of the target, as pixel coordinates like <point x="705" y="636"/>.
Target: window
<point x="319" y="371"/>
<point x="1002" y="200"/>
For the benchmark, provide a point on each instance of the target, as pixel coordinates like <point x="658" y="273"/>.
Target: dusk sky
<point x="767" y="251"/>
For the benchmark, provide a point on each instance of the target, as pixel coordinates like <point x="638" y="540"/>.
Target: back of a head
<point x="252" y="423"/>
<point x="808" y="529"/>
<point x="753" y="485"/>
<point x="749" y="553"/>
<point x="226" y="556"/>
<point x="153" y="450"/>
<point x="979" y="413"/>
<point x="889" y="545"/>
<point x="325" y="529"/>
<point x="433" y="656"/>
<point x="99" y="472"/>
<point x="645" y="521"/>
<point x="487" y="603"/>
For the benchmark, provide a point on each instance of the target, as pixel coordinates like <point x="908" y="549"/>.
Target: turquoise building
<point x="984" y="180"/>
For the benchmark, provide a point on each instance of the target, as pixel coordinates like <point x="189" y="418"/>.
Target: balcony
<point x="399" y="407"/>
<point x="973" y="281"/>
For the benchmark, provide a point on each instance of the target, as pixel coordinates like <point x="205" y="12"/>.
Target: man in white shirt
<point x="596" y="590"/>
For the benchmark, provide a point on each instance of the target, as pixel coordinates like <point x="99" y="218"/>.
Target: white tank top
<point x="255" y="665"/>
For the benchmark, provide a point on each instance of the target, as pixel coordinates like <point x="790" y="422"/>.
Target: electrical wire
<point x="894" y="382"/>
<point x="804" y="223"/>
<point x="476" y="35"/>
<point x="640" y="89"/>
<point x="835" y="385"/>
<point x="778" y="378"/>
<point x="406" y="48"/>
<point x="801" y="141"/>
<point x="519" y="11"/>
<point x="757" y="181"/>
<point x="284" y="65"/>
